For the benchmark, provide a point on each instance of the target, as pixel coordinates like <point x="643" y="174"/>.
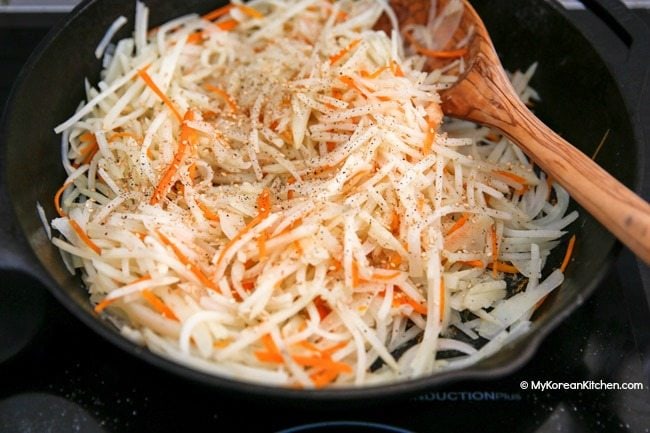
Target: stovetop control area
<point x="56" y="375"/>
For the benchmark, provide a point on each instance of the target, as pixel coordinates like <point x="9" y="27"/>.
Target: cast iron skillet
<point x="581" y="100"/>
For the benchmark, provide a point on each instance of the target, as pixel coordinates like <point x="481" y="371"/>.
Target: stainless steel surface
<point x="36" y="6"/>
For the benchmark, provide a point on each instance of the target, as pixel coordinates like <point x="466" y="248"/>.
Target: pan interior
<point x="580" y="100"/>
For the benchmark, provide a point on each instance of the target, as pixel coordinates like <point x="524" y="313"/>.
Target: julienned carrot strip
<point x="84" y="237"/>
<point x="437" y="54"/>
<point x="341" y="16"/>
<point x="227" y="25"/>
<point x="401" y="298"/>
<point x="251" y="12"/>
<point x="117" y="135"/>
<point x="106" y="302"/>
<point x="324" y="368"/>
<point x="103" y="305"/>
<point x="394" y="222"/>
<point x="158" y="305"/>
<point x="396" y="69"/>
<point x="428" y="141"/>
<point x="348" y="81"/>
<point x="378" y="72"/>
<point x="338" y="56"/>
<point x="458" y="224"/>
<point x="385" y="277"/>
<point x="440" y="54"/>
<point x="223" y="94"/>
<point x="495" y="249"/>
<point x="335" y="348"/>
<point x="355" y="275"/>
<point x="261" y="245"/>
<point x="187" y="136"/>
<point x="474" y="263"/>
<point x="264" y="203"/>
<point x="221" y="344"/>
<point x="394" y="259"/>
<point x="500" y="266"/>
<point x="569" y="252"/>
<point x="90" y="150"/>
<point x="213" y="15"/>
<point x="142" y="73"/>
<point x="512" y="176"/>
<point x="207" y="213"/>
<point x="193" y="267"/>
<point x="57" y="199"/>
<point x="263" y="209"/>
<point x="195" y="38"/>
<point x="323" y="309"/>
<point x="503" y="267"/>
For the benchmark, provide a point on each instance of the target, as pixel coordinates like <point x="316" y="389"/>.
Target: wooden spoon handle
<point x="615" y="206"/>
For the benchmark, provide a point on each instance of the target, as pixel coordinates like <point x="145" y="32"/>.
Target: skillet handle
<point x="632" y="72"/>
<point x="15" y="254"/>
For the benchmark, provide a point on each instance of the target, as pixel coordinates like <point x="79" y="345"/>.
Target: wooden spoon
<point x="483" y="94"/>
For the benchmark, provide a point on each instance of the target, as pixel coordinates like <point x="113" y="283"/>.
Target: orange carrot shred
<point x="251" y="12"/>
<point x="84" y="237"/>
<point x="322" y="307"/>
<point x="118" y="135"/>
<point x="227" y="25"/>
<point x="194" y="268"/>
<point x="207" y="213"/>
<point x="57" y="199"/>
<point x="248" y="284"/>
<point x="385" y="277"/>
<point x="458" y="224"/>
<point x="356" y="280"/>
<point x="213" y="15"/>
<point x="263" y="209"/>
<point x="220" y="344"/>
<point x="440" y="54"/>
<point x="394" y="259"/>
<point x="395" y="68"/>
<point x="261" y="245"/>
<point x="158" y="305"/>
<point x="401" y="298"/>
<point x="186" y="137"/>
<point x="341" y="16"/>
<point x="103" y="305"/>
<point x="106" y="302"/>
<point x="512" y="176"/>
<point x="338" y="56"/>
<point x="428" y="140"/>
<point x="495" y="249"/>
<point x="142" y="73"/>
<point x="568" y="254"/>
<point x="474" y="263"/>
<point x="378" y="72"/>
<point x="348" y="81"/>
<point x="503" y="267"/>
<point x="195" y="38"/>
<point x="90" y="150"/>
<point x="394" y="222"/>
<point x="223" y="94"/>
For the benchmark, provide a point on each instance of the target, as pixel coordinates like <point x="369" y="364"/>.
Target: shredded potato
<point x="270" y="193"/>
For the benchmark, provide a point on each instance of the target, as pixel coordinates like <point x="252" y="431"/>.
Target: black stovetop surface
<point x="56" y="375"/>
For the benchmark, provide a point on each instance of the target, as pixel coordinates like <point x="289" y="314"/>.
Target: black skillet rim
<point x="248" y="389"/>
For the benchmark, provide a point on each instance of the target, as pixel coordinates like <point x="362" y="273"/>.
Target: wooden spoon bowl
<point x="483" y="94"/>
